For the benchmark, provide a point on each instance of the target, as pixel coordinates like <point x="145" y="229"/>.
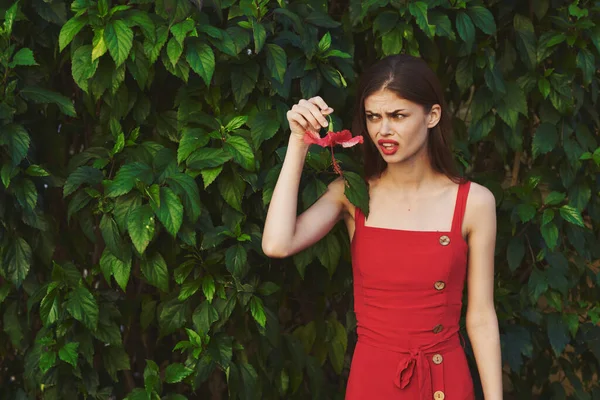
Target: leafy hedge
<point x="140" y="143"/>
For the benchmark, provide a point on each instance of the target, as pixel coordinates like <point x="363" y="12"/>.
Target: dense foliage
<point x="140" y="142"/>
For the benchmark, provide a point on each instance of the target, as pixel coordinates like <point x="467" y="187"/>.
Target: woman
<point x="410" y="256"/>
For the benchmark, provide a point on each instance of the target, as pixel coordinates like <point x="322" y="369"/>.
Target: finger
<point x="298" y="119"/>
<point x="318" y="100"/>
<point x="314" y="110"/>
<point x="310" y="117"/>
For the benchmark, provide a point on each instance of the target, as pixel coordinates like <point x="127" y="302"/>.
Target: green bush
<point x="140" y="143"/>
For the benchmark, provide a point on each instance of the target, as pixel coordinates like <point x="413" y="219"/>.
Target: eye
<point x="371" y="117"/>
<point x="399" y="116"/>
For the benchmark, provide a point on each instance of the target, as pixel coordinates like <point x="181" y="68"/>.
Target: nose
<point x="384" y="129"/>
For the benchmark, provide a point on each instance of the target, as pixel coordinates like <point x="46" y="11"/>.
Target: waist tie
<point x="415" y="358"/>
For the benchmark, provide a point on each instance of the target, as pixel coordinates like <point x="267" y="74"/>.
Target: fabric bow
<point x="406" y="369"/>
<point x="343" y="138"/>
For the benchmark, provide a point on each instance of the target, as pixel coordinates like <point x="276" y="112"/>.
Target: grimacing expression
<point x="398" y="127"/>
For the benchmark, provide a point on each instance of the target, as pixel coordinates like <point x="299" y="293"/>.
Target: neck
<point x="411" y="174"/>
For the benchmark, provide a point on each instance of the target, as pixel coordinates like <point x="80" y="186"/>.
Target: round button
<point x="444" y="240"/>
<point x="437" y="359"/>
<point x="439" y="395"/>
<point x="438" y="328"/>
<point x="440" y="285"/>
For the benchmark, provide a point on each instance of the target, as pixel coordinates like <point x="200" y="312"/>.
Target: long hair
<point x="412" y="79"/>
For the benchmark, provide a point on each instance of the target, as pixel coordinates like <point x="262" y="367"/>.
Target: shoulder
<point x="480" y="210"/>
<point x="480" y="197"/>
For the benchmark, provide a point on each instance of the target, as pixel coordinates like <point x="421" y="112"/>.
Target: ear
<point x="434" y="116"/>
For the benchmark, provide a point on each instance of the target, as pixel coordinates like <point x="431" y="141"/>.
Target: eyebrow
<point x="389" y="113"/>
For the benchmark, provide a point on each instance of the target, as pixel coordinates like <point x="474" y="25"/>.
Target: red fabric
<point x="397" y="307"/>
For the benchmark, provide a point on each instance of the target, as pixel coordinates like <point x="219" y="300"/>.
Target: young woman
<point x="410" y="256"/>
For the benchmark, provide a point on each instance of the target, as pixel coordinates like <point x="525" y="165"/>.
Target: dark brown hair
<point x="412" y="79"/>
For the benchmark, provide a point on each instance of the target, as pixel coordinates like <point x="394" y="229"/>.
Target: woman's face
<point x="398" y="127"/>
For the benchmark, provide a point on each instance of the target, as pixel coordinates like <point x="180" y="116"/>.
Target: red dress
<point x="408" y="289"/>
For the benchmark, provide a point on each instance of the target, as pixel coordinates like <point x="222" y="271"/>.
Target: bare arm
<point x="285" y="233"/>
<point x="482" y="322"/>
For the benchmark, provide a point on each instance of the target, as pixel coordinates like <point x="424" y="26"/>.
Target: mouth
<point x="388" y="147"/>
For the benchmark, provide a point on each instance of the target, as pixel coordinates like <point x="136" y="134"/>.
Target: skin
<point x="409" y="195"/>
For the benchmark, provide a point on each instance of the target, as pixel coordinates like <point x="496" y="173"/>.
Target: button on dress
<point x="408" y="289"/>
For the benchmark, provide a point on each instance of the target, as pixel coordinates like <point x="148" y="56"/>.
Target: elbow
<point x="273" y="251"/>
<point x="481" y="321"/>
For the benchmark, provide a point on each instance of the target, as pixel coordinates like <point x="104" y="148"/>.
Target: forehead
<point x="386" y="100"/>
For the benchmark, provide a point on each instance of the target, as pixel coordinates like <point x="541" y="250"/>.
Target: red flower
<point x="343" y="138"/>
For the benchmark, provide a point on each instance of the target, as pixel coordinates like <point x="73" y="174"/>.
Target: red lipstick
<point x="387" y="146"/>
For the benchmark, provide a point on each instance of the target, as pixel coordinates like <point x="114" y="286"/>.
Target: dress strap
<point x="459" y="208"/>
<point x="359" y="218"/>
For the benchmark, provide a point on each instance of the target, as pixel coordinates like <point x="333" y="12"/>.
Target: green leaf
<point x="81" y="175"/>
<point x="181" y="30"/>
<point x="418" y="9"/>
<point x="332" y="75"/>
<point x="268" y="288"/>
<point x="121" y="270"/>
<point x="17" y="260"/>
<point x="154" y="269"/>
<point x="127" y="177"/>
<point x="112" y="237"/>
<point x="544" y="87"/>
<point x="47" y="361"/>
<point x="257" y="310"/>
<point x="554" y="198"/>
<point x="483" y="19"/>
<point x="526" y="212"/>
<point x="263" y="126"/>
<point x="207" y="158"/>
<point x="143" y="20"/>
<point x="177" y="372"/>
<point x="323" y="20"/>
<point x="356" y="191"/>
<point x="204" y="316"/>
<point x="69" y="30"/>
<point x="571" y="215"/>
<point x="191" y="140"/>
<point x="338" y="345"/>
<point x="208" y="287"/>
<point x="464" y="74"/>
<point x="140" y="224"/>
<point x="241" y="152"/>
<point x="119" y="39"/>
<point x="391" y="42"/>
<point x="170" y="211"/>
<point x="83" y="307"/>
<point x="325" y="42"/>
<point x="586" y="62"/>
<point x="232" y="188"/>
<point x="23" y="57"/>
<point x="115" y="359"/>
<point x="210" y="174"/>
<point x="550" y="234"/>
<point x="201" y="59"/>
<point x="187" y="189"/>
<point x="329" y="252"/>
<point x="235" y="259"/>
<point x="189" y="289"/>
<point x="17" y="140"/>
<point x="526" y="41"/>
<point x="151" y="377"/>
<point x="243" y="81"/>
<point x="82" y="67"/>
<point x="10" y="16"/>
<point x="68" y="353"/>
<point x="236" y="122"/>
<point x="276" y="61"/>
<point x="558" y="333"/>
<point x="548" y="216"/>
<point x="174" y="51"/>
<point x="515" y="252"/>
<point x="49" y="308"/>
<point x="148" y="313"/>
<point x="43" y="96"/>
<point x="465" y="28"/>
<point x="259" y="35"/>
<point x="545" y="139"/>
